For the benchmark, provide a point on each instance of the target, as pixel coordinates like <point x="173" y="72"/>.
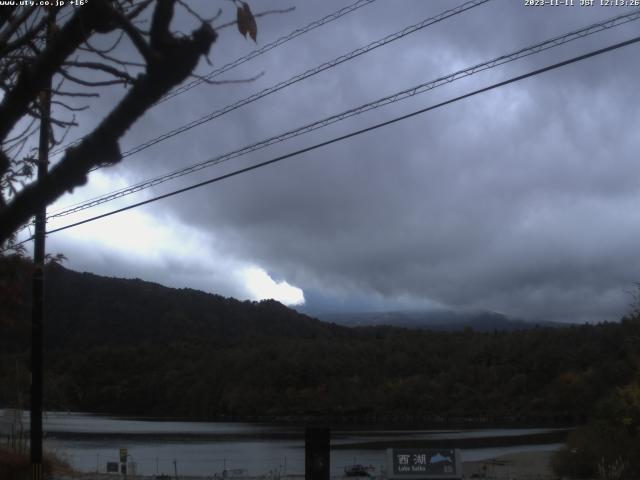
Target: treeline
<point x="132" y="347"/>
<point x="531" y="375"/>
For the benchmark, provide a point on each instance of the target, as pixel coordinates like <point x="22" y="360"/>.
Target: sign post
<point x="432" y="463"/>
<point x="123" y="461"/>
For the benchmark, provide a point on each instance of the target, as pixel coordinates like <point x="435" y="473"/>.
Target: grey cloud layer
<point x="523" y="200"/>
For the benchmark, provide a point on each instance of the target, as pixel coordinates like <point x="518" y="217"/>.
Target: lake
<point x="89" y="441"/>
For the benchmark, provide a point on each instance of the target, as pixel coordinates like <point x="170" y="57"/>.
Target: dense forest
<point x="134" y="347"/>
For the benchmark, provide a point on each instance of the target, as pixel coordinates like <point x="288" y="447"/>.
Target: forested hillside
<point x="86" y="310"/>
<point x="134" y="347"/>
<point x="438" y="319"/>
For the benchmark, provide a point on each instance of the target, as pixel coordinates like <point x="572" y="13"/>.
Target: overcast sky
<point x="523" y="200"/>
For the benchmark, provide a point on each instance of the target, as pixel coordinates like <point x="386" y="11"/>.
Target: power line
<point x="251" y="55"/>
<point x="303" y="76"/>
<point x="309" y="73"/>
<point x="351" y="134"/>
<point x="281" y="85"/>
<point x="402" y="95"/>
<point x="296" y="33"/>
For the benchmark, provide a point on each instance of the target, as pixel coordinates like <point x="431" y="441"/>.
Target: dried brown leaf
<point x="241" y="19"/>
<point x="252" y="27"/>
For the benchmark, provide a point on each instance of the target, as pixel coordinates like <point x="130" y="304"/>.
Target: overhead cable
<point x="402" y="95"/>
<point x="251" y="55"/>
<point x="349" y="135"/>
<point x="304" y="75"/>
<point x="296" y="33"/>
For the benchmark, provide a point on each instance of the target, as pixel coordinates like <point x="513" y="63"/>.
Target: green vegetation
<point x="609" y="445"/>
<point x="133" y="347"/>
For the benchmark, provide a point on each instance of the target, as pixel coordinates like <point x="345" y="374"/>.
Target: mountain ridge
<point x="85" y="309"/>
<point x="437" y="319"/>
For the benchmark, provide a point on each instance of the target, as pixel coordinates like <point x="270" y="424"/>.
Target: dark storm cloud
<point x="520" y="200"/>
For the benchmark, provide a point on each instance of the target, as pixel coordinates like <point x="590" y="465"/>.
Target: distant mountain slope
<point x="83" y="309"/>
<point x="440" y="320"/>
<point x="134" y="347"/>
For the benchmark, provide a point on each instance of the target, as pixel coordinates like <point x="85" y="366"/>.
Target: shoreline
<point x="522" y="465"/>
<point x="344" y="421"/>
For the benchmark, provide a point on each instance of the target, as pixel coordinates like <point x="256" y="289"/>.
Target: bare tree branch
<point x="138" y="9"/>
<point x="31" y="80"/>
<point x="64" y="93"/>
<point x="136" y="37"/>
<point x="103" y="67"/>
<point x="25" y="39"/>
<point x="91" y="83"/>
<point x="171" y="61"/>
<point x="69" y="107"/>
<point x="29" y="61"/>
<point x="13" y="26"/>
<point x="104" y="51"/>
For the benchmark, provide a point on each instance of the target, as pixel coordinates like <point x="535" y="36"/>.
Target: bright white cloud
<point x="261" y="286"/>
<point x="133" y="233"/>
<point x="148" y="242"/>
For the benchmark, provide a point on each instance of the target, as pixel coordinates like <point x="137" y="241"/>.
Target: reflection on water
<point x="205" y="448"/>
<point x="358" y="436"/>
<point x="192" y="458"/>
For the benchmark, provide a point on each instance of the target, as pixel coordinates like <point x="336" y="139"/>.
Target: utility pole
<point x="37" y="309"/>
<point x="317" y="453"/>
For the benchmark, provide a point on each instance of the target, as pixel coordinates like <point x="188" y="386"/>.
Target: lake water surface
<point x="206" y="448"/>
